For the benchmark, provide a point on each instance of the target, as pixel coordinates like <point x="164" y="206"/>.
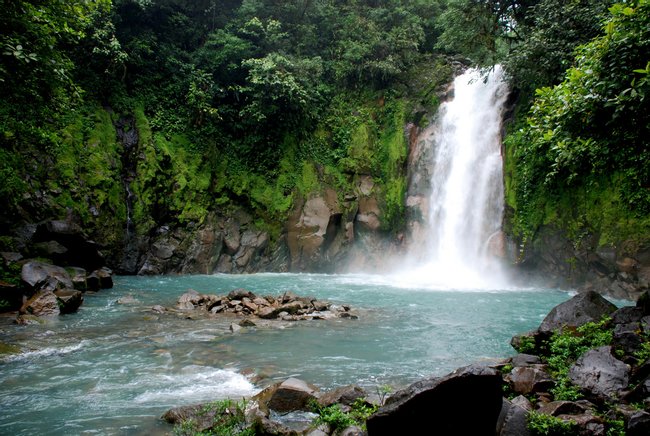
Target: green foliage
<point x="337" y="419"/>
<point x="526" y="345"/>
<point x="229" y="420"/>
<point x="585" y="141"/>
<point x="541" y="424"/>
<point x="615" y="428"/>
<point x="566" y="346"/>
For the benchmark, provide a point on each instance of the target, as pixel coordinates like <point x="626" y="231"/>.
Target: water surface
<point x="115" y="368"/>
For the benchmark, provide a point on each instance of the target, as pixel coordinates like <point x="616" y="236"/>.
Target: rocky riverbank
<point x="584" y="371"/>
<point x="61" y="264"/>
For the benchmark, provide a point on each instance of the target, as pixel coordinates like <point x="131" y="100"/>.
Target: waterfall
<point x="462" y="228"/>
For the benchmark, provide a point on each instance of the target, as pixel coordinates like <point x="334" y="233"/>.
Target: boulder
<point x="104" y="277"/>
<point x="188" y="300"/>
<point x="202" y="417"/>
<point x="43" y="303"/>
<point x="290" y="395"/>
<point x="345" y="395"/>
<point x="38" y="275"/>
<point x="583" y="308"/>
<point x="625" y="338"/>
<point x="79" y="250"/>
<point x="265" y="426"/>
<point x="530" y="379"/>
<point x="627" y="314"/>
<point x="638" y="424"/>
<point x="240" y="294"/>
<point x="467" y="401"/>
<point x="556" y="408"/>
<point x="69" y="300"/>
<point x="78" y="277"/>
<point x="599" y="373"/>
<point x="512" y="421"/>
<point x="523" y="359"/>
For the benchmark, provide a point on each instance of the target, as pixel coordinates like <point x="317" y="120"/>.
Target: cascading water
<point x="465" y="208"/>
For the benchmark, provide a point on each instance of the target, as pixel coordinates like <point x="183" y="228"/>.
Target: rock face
<point x="467" y="401"/>
<point x="554" y="259"/>
<point x="599" y="373"/>
<point x="581" y="309"/>
<point x="66" y="244"/>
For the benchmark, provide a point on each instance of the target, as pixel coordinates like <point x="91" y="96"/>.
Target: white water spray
<point x="466" y="203"/>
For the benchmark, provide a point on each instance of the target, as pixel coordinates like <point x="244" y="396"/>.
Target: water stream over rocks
<point x="115" y="368"/>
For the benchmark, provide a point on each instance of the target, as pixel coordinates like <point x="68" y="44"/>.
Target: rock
<point x="247" y="323"/>
<point x="321" y="306"/>
<point x="625" y="338"/>
<point x="29" y="320"/>
<point x="640" y="392"/>
<point x="522" y="359"/>
<point x="530" y="379"/>
<point x="290" y="395"/>
<point x="78" y="277"/>
<point x="79" y="250"/>
<point x="158" y="309"/>
<point x="267" y="427"/>
<point x="235" y="328"/>
<point x="240" y="294"/>
<point x="321" y="430"/>
<point x="599" y="373"/>
<point x="351" y="431"/>
<point x="202" y="417"/>
<point x="639" y="424"/>
<point x="127" y="299"/>
<point x="345" y="395"/>
<point x="644" y="303"/>
<point x="105" y="276"/>
<point x="581" y="309"/>
<point x="587" y="423"/>
<point x="188" y="300"/>
<point x="467" y="401"/>
<point x="38" y="275"/>
<point x="43" y="303"/>
<point x="556" y="408"/>
<point x="69" y="300"/>
<point x="627" y="314"/>
<point x="268" y="312"/>
<point x="51" y="250"/>
<point x="512" y="421"/>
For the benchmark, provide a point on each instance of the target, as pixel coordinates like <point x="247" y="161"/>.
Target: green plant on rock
<point x="337" y="419"/>
<point x="541" y="424"/>
<point x="229" y="420"/>
<point x="566" y="346"/>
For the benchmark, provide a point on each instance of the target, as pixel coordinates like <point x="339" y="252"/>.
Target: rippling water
<point x="115" y="368"/>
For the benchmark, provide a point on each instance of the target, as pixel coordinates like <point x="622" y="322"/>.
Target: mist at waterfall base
<point x="115" y="368"/>
<point x="462" y="241"/>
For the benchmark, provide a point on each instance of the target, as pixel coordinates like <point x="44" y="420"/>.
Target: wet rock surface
<point x="243" y="303"/>
<point x="612" y="386"/>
